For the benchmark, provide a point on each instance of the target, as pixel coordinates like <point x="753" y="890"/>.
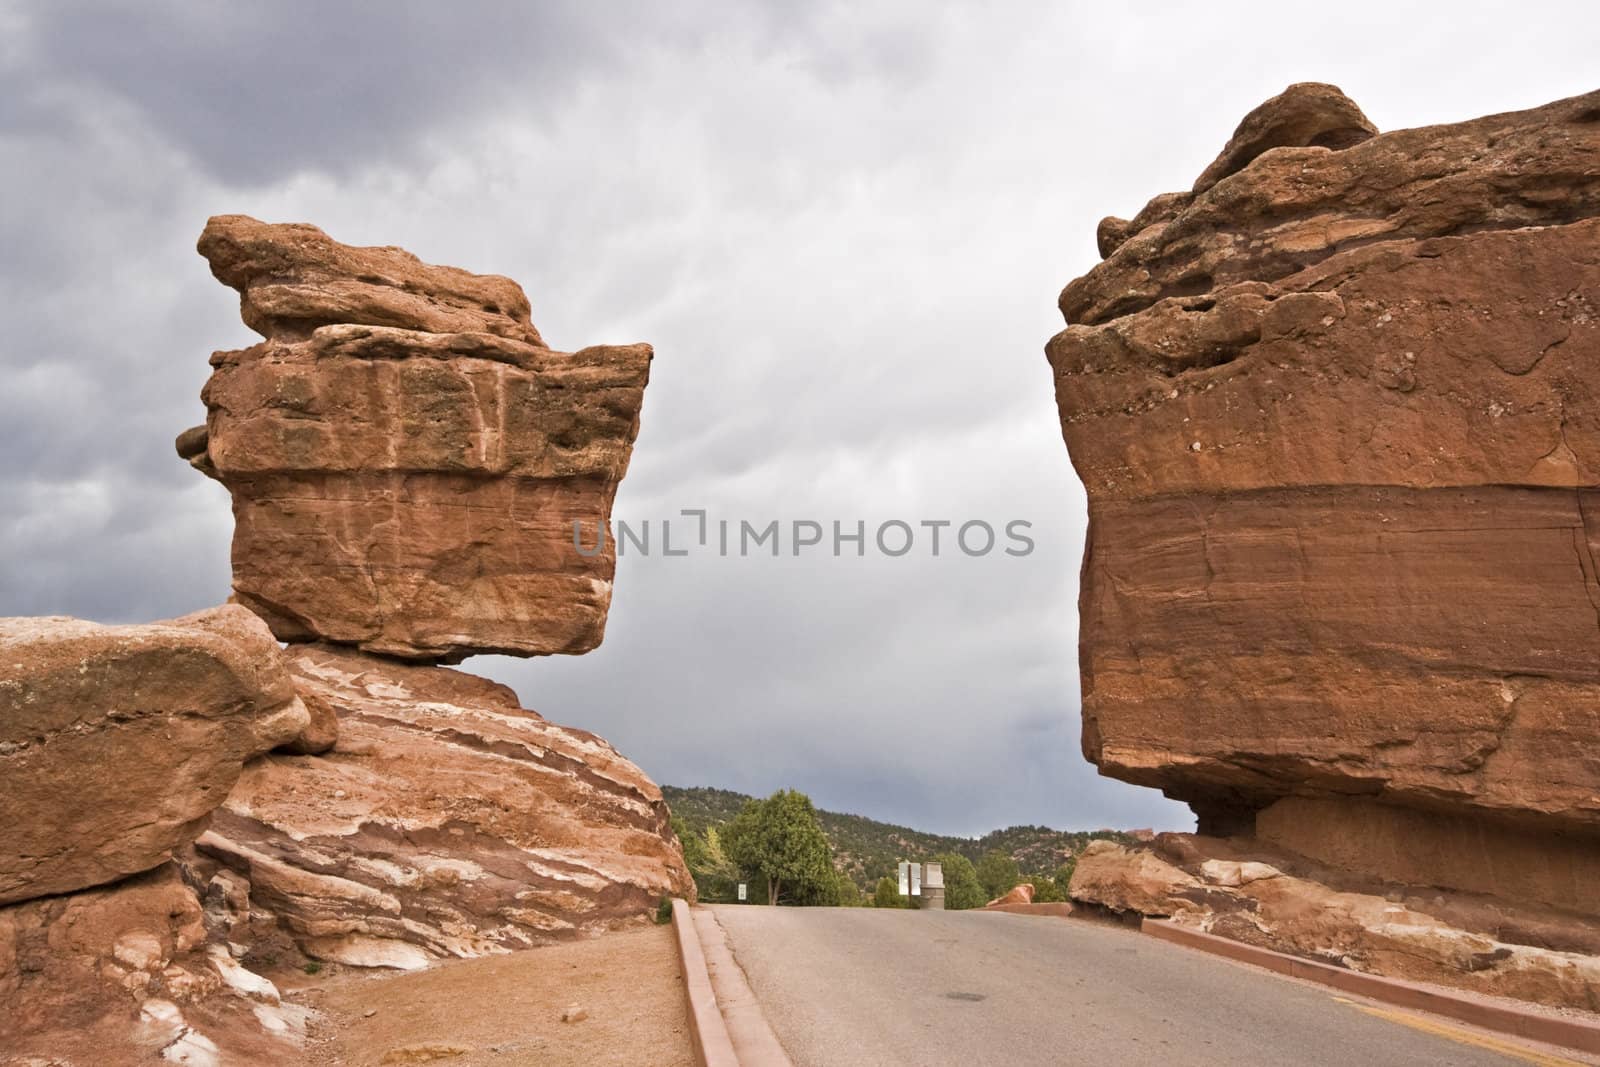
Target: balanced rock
<point x="448" y="821"/>
<point x="117" y="742"/>
<point x="1336" y="411"/>
<point x="413" y="472"/>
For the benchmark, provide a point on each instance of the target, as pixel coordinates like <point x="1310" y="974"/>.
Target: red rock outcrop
<point x="1227" y="890"/>
<point x="407" y="459"/>
<point x="117" y="742"/>
<point x="134" y="973"/>
<point x="447" y="821"/>
<point x="1020" y="894"/>
<point x="1336" y="413"/>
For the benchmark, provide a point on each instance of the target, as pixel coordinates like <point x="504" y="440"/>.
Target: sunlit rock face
<point x="1336" y="413"/>
<point x="407" y="458"/>
<point x="117" y="742"/>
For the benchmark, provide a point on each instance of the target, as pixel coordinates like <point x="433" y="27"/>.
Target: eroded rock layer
<point x="137" y="972"/>
<point x="117" y="742"/>
<point x="1336" y="413"/>
<point x="407" y="459"/>
<point x="1234" y="890"/>
<point x="447" y="821"/>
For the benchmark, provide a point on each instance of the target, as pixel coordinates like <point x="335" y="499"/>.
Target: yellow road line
<point x="1464" y="1037"/>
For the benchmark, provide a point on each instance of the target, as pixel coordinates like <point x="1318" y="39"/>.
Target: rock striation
<point x="407" y="459"/>
<point x="117" y="742"/>
<point x="1335" y="410"/>
<point x="447" y="821"/>
<point x="1228" y="890"/>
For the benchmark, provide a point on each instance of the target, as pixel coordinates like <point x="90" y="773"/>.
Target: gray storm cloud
<point x="843" y="229"/>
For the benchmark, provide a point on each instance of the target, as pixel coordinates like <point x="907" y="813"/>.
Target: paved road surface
<point x="854" y="987"/>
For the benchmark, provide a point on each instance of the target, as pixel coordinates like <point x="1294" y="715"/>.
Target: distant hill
<point x="867" y="849"/>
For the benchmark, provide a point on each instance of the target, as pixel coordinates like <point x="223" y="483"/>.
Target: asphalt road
<point x="854" y="987"/>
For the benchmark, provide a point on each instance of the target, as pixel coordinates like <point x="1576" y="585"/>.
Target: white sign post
<point x="741" y="892"/>
<point x="905" y="878"/>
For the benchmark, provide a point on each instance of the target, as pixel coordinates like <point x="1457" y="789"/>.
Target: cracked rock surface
<point x="1336" y="413"/>
<point x="407" y="458"/>
<point x="117" y="742"/>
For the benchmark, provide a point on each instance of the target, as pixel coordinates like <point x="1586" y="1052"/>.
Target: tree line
<point x="778" y="848"/>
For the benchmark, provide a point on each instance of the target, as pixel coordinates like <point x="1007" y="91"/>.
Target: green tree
<point x="1047" y="890"/>
<point x="887" y="895"/>
<point x="962" y="889"/>
<point x="998" y="873"/>
<point x="779" y="839"/>
<point x="715" y="876"/>
<point x="1064" y="876"/>
<point x="694" y="848"/>
<point x="848" y="893"/>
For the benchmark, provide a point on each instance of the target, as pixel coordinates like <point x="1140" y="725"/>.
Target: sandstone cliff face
<point x="406" y="457"/>
<point x="1336" y="413"/>
<point x="117" y="742"/>
<point x="448" y="821"/>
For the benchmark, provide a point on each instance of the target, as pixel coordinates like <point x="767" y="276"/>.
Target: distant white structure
<point x="923" y="881"/>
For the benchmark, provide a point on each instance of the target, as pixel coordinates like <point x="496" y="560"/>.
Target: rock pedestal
<point x="447" y="821"/>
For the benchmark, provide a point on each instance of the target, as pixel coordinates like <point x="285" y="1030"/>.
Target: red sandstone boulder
<point x="1130" y="880"/>
<point x="293" y="279"/>
<point x="1022" y="894"/>
<point x="1337" y="417"/>
<point x="447" y="821"/>
<point x="407" y="459"/>
<point x="117" y="742"/>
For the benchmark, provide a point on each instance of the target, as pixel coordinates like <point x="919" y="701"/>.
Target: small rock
<point x="574" y="1014"/>
<point x="423" y="1053"/>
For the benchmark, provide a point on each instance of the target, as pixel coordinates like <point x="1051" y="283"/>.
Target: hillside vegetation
<point x="866" y="850"/>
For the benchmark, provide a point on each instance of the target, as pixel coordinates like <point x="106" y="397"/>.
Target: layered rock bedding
<point x="407" y="459"/>
<point x="447" y="822"/>
<point x="1336" y="411"/>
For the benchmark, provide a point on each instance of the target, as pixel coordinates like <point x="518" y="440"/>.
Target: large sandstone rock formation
<point x="1336" y="411"/>
<point x="407" y="459"/>
<point x="117" y="742"/>
<point x="448" y="821"/>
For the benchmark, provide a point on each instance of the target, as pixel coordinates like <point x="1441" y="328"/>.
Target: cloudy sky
<point x="843" y="226"/>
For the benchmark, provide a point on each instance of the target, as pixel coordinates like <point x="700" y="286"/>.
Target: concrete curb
<point x="1054" y="909"/>
<point x="707" y="1031"/>
<point x="754" y="1043"/>
<point x="1571" y="1033"/>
